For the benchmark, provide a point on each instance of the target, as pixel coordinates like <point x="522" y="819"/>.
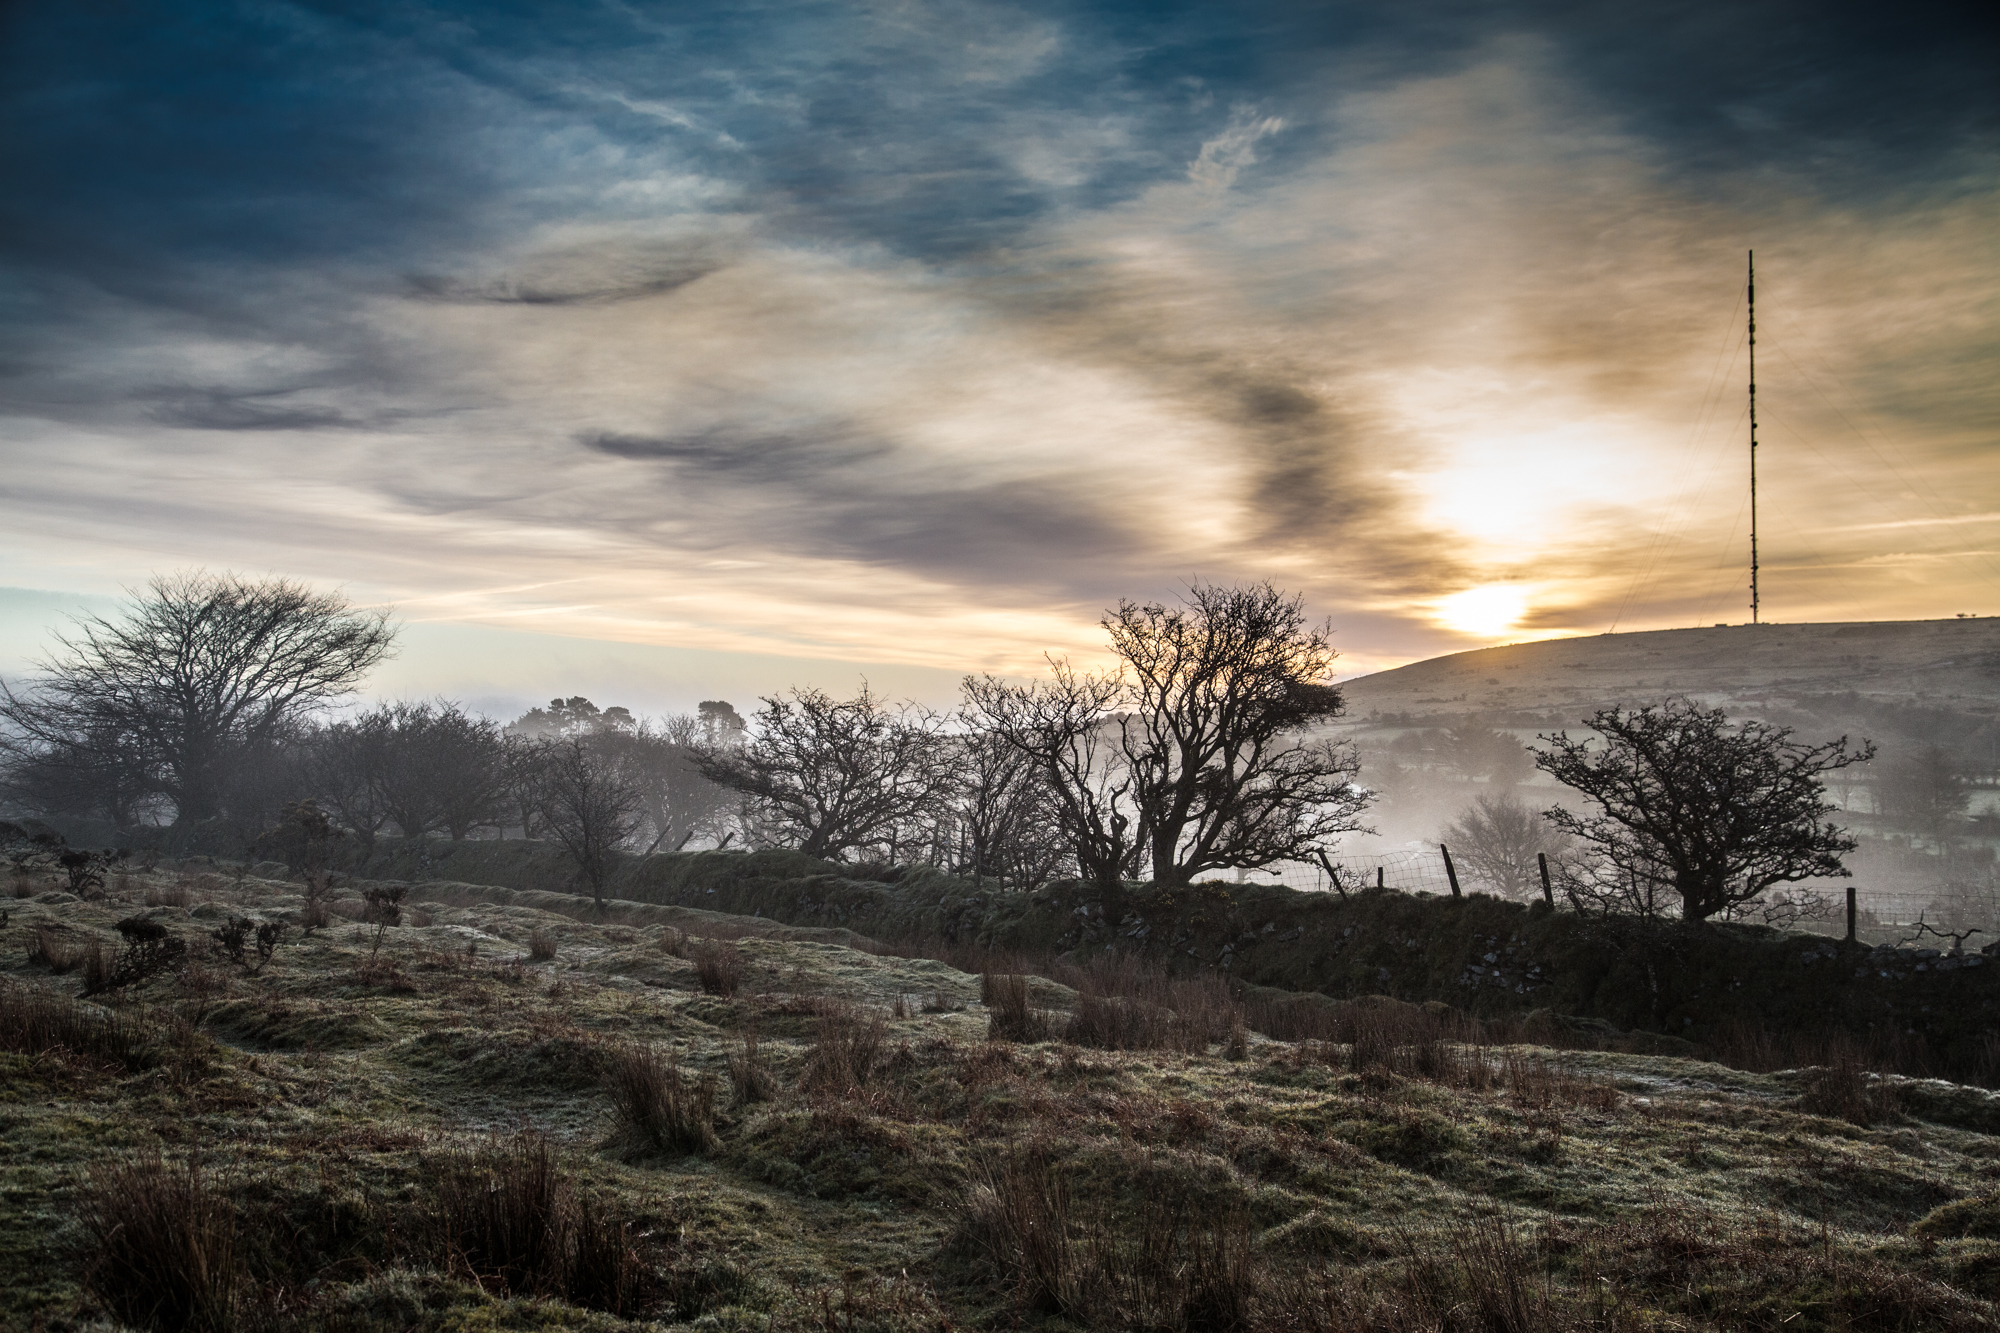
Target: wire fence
<point x="1411" y="871"/>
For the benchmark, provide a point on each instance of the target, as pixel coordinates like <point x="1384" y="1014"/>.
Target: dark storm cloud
<point x="837" y="494"/>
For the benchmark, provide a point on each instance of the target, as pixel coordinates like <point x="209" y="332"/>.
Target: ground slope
<point x="924" y="1176"/>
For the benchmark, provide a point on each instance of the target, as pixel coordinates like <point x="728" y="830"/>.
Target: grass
<point x="863" y="1139"/>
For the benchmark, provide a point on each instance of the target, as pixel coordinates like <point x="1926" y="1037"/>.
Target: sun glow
<point x="1486" y="612"/>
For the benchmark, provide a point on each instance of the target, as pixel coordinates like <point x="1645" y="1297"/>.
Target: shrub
<point x="541" y="946"/>
<point x="33" y="1021"/>
<point x="847" y="1045"/>
<point x="385" y="909"/>
<point x="162" y="1246"/>
<point x="148" y="951"/>
<point x="719" y="968"/>
<point x="1013" y="1018"/>
<point x="239" y="935"/>
<point x="656" y="1105"/>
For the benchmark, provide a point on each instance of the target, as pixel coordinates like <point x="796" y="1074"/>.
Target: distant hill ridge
<point x="1948" y="665"/>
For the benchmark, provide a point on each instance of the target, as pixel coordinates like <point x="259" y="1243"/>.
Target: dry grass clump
<point x="505" y="1217"/>
<point x="1845" y="1090"/>
<point x="56" y="949"/>
<point x="34" y="1022"/>
<point x="719" y="967"/>
<point x="846" y="1050"/>
<point x="541" y="945"/>
<point x="749" y="1076"/>
<point x="1013" y="1017"/>
<point x="168" y="895"/>
<point x="657" y="1106"/>
<point x="1123" y="1004"/>
<point x="1167" y="1260"/>
<point x="162" y="1243"/>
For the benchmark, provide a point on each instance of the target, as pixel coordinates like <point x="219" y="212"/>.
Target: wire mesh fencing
<point x="1411" y="870"/>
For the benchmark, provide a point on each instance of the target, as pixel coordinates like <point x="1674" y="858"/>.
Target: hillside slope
<point x="1941" y="665"/>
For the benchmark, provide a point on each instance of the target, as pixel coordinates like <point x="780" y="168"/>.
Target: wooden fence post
<point x="1450" y="871"/>
<point x="1378" y="877"/>
<point x="1548" y="889"/>
<point x="1850" y="914"/>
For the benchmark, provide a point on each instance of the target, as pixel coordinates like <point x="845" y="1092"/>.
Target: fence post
<point x="1378" y="877"/>
<point x="1548" y="889"/>
<point x="1450" y="871"/>
<point x="1850" y="914"/>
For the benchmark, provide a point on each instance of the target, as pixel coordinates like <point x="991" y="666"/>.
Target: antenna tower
<point x="1752" y="293"/>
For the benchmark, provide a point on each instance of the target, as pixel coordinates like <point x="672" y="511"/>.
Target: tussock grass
<point x="162" y="1245"/>
<point x="1013" y="1017"/>
<point x="719" y="967"/>
<point x="749" y="1077"/>
<point x="847" y="1047"/>
<point x="655" y="1104"/>
<point x="541" y="946"/>
<point x="35" y="1022"/>
<point x="505" y="1217"/>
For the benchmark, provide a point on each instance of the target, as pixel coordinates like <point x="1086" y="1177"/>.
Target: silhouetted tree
<point x="1925" y="791"/>
<point x="1066" y="728"/>
<point x="661" y="761"/>
<point x="1219" y="692"/>
<point x="1707" y="813"/>
<point x="588" y="806"/>
<point x="831" y="776"/>
<point x="1497" y="839"/>
<point x="200" y="668"/>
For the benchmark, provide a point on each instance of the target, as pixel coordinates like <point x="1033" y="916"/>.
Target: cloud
<point x="923" y="331"/>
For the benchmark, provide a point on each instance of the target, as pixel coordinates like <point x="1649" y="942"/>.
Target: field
<point x="496" y="1116"/>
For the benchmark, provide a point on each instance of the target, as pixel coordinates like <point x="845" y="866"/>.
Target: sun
<point x="1486" y="612"/>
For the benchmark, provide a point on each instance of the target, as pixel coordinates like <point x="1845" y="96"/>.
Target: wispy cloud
<point x="920" y="332"/>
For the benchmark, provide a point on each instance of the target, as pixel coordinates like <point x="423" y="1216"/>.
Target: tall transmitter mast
<point x="1752" y="290"/>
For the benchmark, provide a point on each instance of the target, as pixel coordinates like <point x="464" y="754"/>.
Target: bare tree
<point x="200" y="668"/>
<point x="1925" y="791"/>
<point x="344" y="762"/>
<point x="588" y="806"/>
<point x="1220" y="691"/>
<point x="1708" y="813"/>
<point x="661" y="761"/>
<point x="1007" y="819"/>
<point x="1065" y="726"/>
<point x="1498" y="838"/>
<point x="438" y="768"/>
<point x="835" y="776"/>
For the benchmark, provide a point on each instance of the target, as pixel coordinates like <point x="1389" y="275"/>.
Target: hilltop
<point x="1951" y="665"/>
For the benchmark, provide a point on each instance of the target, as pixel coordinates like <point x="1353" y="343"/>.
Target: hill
<point x="1867" y="668"/>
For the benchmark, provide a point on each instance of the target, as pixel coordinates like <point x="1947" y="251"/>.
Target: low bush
<point x="149" y="950"/>
<point x="656" y="1106"/>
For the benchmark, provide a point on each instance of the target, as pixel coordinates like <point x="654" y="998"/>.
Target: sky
<point x="684" y="351"/>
